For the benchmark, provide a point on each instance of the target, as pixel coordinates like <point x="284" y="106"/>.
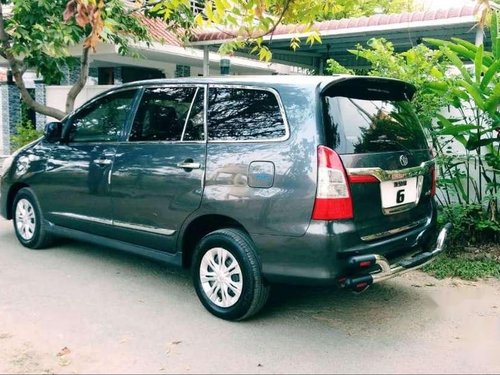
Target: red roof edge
<point x="353" y="23"/>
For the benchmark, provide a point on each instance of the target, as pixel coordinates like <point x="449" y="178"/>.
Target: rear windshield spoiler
<point x="369" y="88"/>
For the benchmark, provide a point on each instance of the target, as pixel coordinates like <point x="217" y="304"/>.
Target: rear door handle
<point x="189" y="165"/>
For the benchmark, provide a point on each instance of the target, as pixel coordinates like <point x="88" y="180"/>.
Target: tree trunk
<point x="80" y="83"/>
<point x="18" y="72"/>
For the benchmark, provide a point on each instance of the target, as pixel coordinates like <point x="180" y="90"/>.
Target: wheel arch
<point x="11" y="196"/>
<point x="200" y="227"/>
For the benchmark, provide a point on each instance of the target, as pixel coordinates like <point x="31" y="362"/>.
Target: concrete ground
<point x="77" y="308"/>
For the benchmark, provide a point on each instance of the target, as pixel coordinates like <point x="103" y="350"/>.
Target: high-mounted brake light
<point x="333" y="197"/>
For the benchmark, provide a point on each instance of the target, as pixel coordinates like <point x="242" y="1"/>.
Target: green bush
<point x="25" y="133"/>
<point x="471" y="226"/>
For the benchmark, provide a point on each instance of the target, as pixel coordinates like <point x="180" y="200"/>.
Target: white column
<point x="206" y="61"/>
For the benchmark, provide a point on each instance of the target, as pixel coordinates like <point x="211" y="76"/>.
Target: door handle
<point x="102" y="161"/>
<point x="189" y="165"/>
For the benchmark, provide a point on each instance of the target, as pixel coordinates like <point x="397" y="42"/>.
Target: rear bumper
<point x="322" y="255"/>
<point x="384" y="270"/>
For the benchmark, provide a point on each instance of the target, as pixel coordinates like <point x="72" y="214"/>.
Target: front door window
<point x="103" y="120"/>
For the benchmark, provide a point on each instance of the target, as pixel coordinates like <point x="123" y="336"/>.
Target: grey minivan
<point x="249" y="181"/>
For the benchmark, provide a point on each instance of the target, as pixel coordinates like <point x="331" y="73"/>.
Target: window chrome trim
<point x="391" y="232"/>
<point x="255" y="88"/>
<point x="84" y="217"/>
<point x="159" y="142"/>
<point x="116" y="223"/>
<point x="144" y="228"/>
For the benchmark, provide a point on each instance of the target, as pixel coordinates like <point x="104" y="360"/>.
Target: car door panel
<point x="78" y="170"/>
<point x="157" y="178"/>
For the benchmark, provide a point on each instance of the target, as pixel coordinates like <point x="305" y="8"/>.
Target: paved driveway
<point x="80" y="308"/>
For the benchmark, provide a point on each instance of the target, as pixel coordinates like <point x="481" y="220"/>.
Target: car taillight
<point x="333" y="196"/>
<point x="433" y="181"/>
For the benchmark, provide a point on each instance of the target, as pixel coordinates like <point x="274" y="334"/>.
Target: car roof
<point x="310" y="81"/>
<point x="247" y="80"/>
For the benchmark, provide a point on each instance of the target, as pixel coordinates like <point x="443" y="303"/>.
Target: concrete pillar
<point x="4" y="119"/>
<point x="14" y="107"/>
<point x="40" y="97"/>
<point x="206" y="61"/>
<point x="71" y="74"/>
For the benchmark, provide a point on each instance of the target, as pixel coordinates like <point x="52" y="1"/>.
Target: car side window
<point x="236" y="114"/>
<point x="195" y="126"/>
<point x="162" y="114"/>
<point x="103" y="120"/>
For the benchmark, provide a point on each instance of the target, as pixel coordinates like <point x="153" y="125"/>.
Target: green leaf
<point x="209" y="10"/>
<point x="478" y="63"/>
<point x="474" y="142"/>
<point x="495" y="40"/>
<point x="491" y="73"/>
<point x="198" y="20"/>
<point x="493" y="101"/>
<point x="444" y="121"/>
<point x="466" y="44"/>
<point x="457" y="129"/>
<point x="455" y="60"/>
<point x="474" y="92"/>
<point x="460" y="94"/>
<point x="436" y="73"/>
<point x="439" y="87"/>
<point x="437" y="42"/>
<point x="219" y="8"/>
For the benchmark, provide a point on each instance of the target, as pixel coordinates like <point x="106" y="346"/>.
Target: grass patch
<point x="460" y="266"/>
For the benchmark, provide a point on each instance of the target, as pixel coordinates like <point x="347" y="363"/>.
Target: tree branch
<point x="18" y="70"/>
<point x="271" y="30"/>
<point x="80" y="83"/>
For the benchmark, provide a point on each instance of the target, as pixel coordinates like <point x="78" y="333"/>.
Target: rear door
<point x="158" y="174"/>
<point x="370" y="123"/>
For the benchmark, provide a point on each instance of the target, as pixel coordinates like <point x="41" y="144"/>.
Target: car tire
<point x="227" y="275"/>
<point x="28" y="221"/>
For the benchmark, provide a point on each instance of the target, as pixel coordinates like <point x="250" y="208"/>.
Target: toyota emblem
<point x="403" y="159"/>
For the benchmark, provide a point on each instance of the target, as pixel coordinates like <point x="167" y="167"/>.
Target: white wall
<point x="56" y="96"/>
<point x="469" y="161"/>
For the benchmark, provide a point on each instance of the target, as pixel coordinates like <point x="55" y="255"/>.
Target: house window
<point x="182" y="71"/>
<point x="106" y="76"/>
<point x="197" y="6"/>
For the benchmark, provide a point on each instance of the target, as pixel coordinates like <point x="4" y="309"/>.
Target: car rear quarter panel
<point x="284" y="208"/>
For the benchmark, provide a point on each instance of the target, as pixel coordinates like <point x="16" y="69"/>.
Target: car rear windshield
<point x="359" y="125"/>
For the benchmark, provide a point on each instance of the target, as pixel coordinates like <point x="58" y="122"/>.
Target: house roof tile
<point x="352" y="23"/>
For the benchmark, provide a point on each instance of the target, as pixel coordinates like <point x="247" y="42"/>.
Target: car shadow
<point x="385" y="308"/>
<point x="381" y="309"/>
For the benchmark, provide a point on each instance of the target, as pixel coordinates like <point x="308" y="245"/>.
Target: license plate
<point x="397" y="193"/>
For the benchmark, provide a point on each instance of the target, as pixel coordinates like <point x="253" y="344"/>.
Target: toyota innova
<point x="248" y="181"/>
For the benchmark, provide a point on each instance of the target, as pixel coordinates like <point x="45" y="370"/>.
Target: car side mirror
<point x="53" y="132"/>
